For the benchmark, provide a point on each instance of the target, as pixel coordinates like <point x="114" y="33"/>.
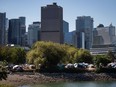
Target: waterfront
<point x="61" y="79"/>
<point x="77" y="84"/>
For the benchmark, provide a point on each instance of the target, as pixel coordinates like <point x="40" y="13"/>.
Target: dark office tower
<point x="6" y="31"/>
<point x="2" y="28"/>
<point x="84" y="29"/>
<point x="13" y="31"/>
<point x="52" y="23"/>
<point x="22" y="30"/>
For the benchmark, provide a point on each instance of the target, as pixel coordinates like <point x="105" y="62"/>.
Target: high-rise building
<point x="6" y="29"/>
<point x="34" y="33"/>
<point x="67" y="34"/>
<point x="16" y="31"/>
<point x="65" y="27"/>
<point x="84" y="29"/>
<point x="22" y="30"/>
<point x="25" y="40"/>
<point x="52" y="23"/>
<point x="104" y="35"/>
<point x="2" y="28"/>
<point x="80" y="40"/>
<point x="69" y="38"/>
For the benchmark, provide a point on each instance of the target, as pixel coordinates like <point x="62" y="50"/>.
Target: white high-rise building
<point x="34" y="33"/>
<point x="104" y="35"/>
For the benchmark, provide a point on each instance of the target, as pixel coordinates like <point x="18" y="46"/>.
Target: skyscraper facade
<point x="66" y="33"/>
<point x="69" y="38"/>
<point x="34" y="33"/>
<point x="22" y="21"/>
<point x="6" y="33"/>
<point x="16" y="31"/>
<point x="104" y="35"/>
<point x="2" y="28"/>
<point x="84" y="27"/>
<point x="52" y="23"/>
<point x="65" y="27"/>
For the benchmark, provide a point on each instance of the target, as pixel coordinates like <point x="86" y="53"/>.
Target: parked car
<point x="69" y="65"/>
<point x="81" y="65"/>
<point x="17" y="68"/>
<point x="112" y="65"/>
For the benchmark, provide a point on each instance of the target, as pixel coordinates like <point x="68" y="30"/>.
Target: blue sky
<point x="103" y="11"/>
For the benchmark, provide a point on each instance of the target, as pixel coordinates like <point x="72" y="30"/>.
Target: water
<point x="75" y="84"/>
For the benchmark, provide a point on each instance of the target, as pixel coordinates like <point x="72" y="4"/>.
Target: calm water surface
<point x="75" y="84"/>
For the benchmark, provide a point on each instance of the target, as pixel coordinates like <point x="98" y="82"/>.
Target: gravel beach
<point x="36" y="78"/>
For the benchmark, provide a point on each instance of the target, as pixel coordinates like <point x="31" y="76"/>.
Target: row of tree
<point x="12" y="55"/>
<point x="50" y="54"/>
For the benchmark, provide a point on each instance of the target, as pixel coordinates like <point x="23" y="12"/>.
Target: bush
<point x="101" y="60"/>
<point x="83" y="56"/>
<point x="3" y="72"/>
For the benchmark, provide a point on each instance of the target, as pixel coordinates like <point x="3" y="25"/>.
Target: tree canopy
<point x="50" y="54"/>
<point x="12" y="55"/>
<point x="101" y="59"/>
<point x="83" y="56"/>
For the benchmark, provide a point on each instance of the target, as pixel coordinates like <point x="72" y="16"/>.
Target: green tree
<point x="110" y="56"/>
<point x="12" y="54"/>
<point x="101" y="59"/>
<point x="83" y="56"/>
<point x="3" y="70"/>
<point x="4" y="53"/>
<point x="46" y="53"/>
<point x="49" y="54"/>
<point x="21" y="56"/>
<point x="69" y="51"/>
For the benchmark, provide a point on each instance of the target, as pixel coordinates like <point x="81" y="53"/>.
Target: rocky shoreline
<point x="37" y="78"/>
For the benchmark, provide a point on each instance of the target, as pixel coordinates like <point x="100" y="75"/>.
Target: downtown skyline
<point x="101" y="11"/>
